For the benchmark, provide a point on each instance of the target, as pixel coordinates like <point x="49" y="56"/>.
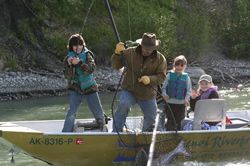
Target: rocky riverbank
<point x="21" y="85"/>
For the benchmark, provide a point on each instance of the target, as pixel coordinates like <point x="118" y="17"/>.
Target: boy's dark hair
<point x="75" y="40"/>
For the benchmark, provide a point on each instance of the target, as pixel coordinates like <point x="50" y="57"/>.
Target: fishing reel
<point x="130" y="43"/>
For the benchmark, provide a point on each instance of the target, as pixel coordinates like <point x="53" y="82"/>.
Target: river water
<point x="56" y="108"/>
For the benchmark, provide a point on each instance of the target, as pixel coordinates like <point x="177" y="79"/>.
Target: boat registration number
<point x="51" y="141"/>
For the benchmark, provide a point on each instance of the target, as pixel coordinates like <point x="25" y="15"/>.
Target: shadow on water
<point x="56" y="108"/>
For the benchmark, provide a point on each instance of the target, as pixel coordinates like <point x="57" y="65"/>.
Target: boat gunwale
<point x="146" y="133"/>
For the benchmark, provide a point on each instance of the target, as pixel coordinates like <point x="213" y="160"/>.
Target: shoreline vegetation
<point x="213" y="36"/>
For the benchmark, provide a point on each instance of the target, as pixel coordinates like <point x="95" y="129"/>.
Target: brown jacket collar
<point x="138" y="51"/>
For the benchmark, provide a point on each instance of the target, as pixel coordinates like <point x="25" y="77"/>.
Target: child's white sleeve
<point x="189" y="89"/>
<point x="164" y="92"/>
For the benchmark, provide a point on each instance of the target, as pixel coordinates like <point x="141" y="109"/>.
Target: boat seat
<point x="89" y="126"/>
<point x="209" y="110"/>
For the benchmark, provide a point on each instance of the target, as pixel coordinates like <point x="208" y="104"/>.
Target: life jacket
<point x="78" y="76"/>
<point x="206" y="94"/>
<point x="177" y="85"/>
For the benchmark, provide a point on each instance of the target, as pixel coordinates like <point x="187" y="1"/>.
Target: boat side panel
<point x="102" y="148"/>
<point x="204" y="145"/>
<point x="73" y="149"/>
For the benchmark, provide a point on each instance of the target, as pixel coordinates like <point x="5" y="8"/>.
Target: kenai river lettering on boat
<point x="218" y="141"/>
<point x="223" y="141"/>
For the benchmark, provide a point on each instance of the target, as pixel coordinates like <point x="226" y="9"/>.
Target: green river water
<point x="56" y="108"/>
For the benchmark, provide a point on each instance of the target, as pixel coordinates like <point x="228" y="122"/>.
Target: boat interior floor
<point x="133" y="124"/>
<point x="136" y="125"/>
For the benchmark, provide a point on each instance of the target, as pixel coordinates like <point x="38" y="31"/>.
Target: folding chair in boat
<point x="209" y="110"/>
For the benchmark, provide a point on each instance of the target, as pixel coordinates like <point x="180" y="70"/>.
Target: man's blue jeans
<point x="75" y="100"/>
<point x="127" y="99"/>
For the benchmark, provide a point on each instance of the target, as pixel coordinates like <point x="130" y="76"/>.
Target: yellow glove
<point x="145" y="80"/>
<point x="119" y="48"/>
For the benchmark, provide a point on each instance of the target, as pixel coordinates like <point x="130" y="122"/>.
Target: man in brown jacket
<point x="145" y="69"/>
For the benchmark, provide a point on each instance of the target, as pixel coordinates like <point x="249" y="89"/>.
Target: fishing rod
<point x="152" y="145"/>
<point x="119" y="39"/>
<point x="117" y="88"/>
<point x="86" y="17"/>
<point x="113" y="21"/>
<point x="119" y="83"/>
<point x="106" y="118"/>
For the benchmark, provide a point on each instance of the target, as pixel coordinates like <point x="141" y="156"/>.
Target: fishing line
<point x="34" y="14"/>
<point x="78" y="42"/>
<point x="119" y="84"/>
<point x="82" y="28"/>
<point x="153" y="141"/>
<point x="130" y="35"/>
<point x="87" y="15"/>
<point x="84" y="22"/>
<point x="171" y="111"/>
<point x="129" y="22"/>
<point x="112" y="109"/>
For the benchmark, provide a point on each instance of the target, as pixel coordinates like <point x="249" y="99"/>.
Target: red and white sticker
<point x="79" y="141"/>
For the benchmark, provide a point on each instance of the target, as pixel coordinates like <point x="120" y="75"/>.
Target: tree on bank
<point x="35" y="32"/>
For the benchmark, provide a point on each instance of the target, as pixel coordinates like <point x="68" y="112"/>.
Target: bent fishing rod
<point x="113" y="21"/>
<point x="117" y="88"/>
